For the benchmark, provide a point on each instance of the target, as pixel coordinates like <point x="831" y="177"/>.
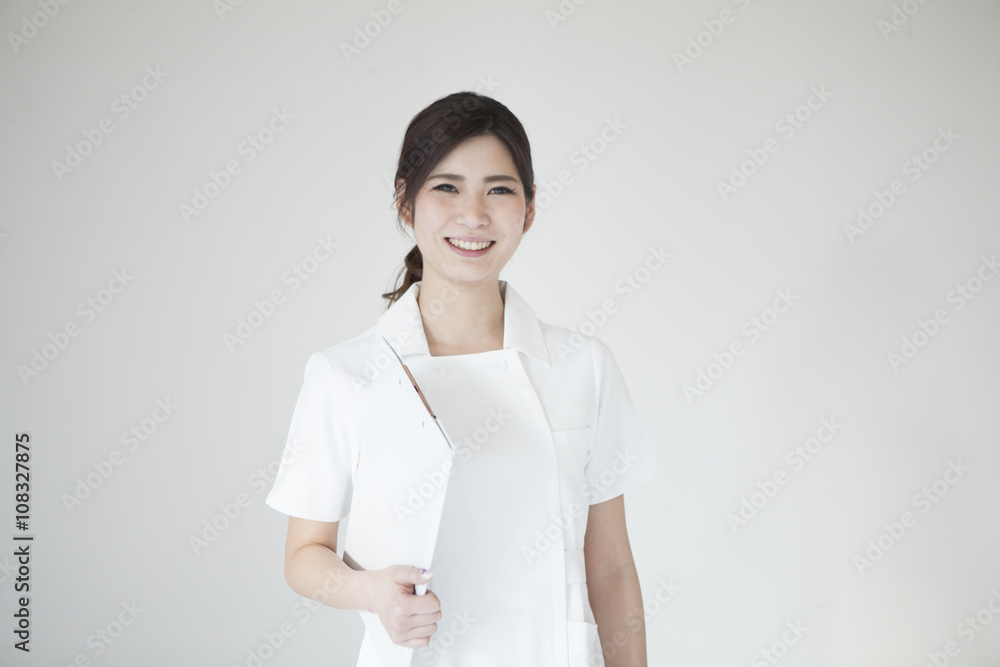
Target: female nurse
<point x="532" y="565"/>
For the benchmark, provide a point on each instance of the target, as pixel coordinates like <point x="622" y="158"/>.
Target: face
<point x="474" y="195"/>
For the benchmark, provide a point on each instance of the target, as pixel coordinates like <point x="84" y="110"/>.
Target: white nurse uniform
<point x="543" y="428"/>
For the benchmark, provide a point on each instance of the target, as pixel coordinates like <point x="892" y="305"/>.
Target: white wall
<point x="684" y="125"/>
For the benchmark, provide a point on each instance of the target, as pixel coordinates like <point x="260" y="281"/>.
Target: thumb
<point x="414" y="575"/>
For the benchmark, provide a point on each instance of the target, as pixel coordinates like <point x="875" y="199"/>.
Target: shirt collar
<point x="522" y="330"/>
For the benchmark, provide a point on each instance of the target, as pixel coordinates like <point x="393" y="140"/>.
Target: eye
<point x="500" y="189"/>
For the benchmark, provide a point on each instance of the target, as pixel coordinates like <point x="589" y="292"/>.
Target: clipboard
<point x="403" y="446"/>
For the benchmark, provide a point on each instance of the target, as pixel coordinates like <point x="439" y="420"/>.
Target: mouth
<point x="469" y="248"/>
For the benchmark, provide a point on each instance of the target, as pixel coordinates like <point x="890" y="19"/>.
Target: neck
<point x="460" y="317"/>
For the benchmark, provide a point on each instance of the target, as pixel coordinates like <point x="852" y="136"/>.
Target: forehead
<point x="475" y="153"/>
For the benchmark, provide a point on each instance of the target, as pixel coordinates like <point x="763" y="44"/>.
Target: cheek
<point x="431" y="208"/>
<point x="512" y="214"/>
<point x="508" y="208"/>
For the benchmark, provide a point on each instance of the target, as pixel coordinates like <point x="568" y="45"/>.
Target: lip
<point x="469" y="253"/>
<point x="470" y="239"/>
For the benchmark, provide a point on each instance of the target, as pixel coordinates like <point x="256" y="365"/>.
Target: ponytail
<point x="412" y="271"/>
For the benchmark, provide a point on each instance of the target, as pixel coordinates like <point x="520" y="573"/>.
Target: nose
<point x="472" y="212"/>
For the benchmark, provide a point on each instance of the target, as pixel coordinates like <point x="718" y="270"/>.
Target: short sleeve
<point x="621" y="458"/>
<point x="314" y="479"/>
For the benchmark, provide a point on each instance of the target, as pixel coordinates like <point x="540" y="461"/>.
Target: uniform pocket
<point x="584" y="645"/>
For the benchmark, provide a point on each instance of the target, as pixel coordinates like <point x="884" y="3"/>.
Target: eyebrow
<point x="489" y="179"/>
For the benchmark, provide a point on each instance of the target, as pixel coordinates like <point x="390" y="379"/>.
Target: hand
<point x="410" y="619"/>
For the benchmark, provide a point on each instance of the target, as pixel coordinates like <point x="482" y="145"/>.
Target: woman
<point x="533" y="558"/>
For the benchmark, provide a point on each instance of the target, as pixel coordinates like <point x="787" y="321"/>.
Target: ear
<point x="405" y="214"/>
<point x="529" y="216"/>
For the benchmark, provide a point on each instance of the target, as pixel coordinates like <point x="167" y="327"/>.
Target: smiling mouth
<point x="469" y="245"/>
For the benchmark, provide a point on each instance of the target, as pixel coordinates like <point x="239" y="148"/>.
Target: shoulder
<point x="571" y="348"/>
<point x="349" y="363"/>
<point x="351" y="355"/>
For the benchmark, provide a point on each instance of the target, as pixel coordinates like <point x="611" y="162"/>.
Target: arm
<point x="313" y="569"/>
<point x="613" y="585"/>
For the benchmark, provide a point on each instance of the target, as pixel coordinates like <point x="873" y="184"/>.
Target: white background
<point x="687" y="125"/>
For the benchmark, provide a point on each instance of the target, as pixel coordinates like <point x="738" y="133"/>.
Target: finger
<point x="420" y="631"/>
<point x="412" y="621"/>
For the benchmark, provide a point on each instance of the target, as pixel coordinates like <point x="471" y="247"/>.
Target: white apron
<point x="508" y="566"/>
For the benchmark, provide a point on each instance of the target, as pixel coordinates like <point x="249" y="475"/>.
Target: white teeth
<point x="469" y="246"/>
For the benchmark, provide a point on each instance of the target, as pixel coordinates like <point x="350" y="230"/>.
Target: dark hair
<point x="431" y="135"/>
